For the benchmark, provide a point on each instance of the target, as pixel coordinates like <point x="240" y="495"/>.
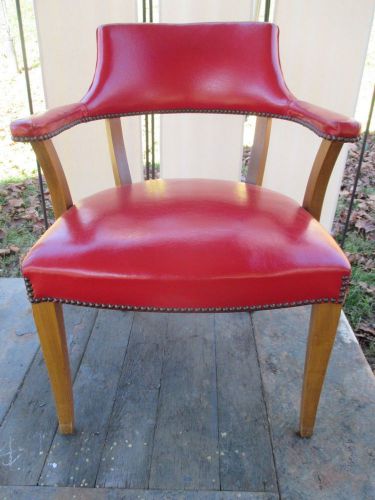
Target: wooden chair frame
<point x="324" y="317"/>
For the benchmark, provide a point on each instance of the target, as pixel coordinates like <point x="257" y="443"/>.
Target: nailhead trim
<point x="339" y="300"/>
<point x="84" y="119"/>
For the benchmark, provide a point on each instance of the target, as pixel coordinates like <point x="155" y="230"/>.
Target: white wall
<point x="196" y="145"/>
<point x="322" y="44"/>
<point x="322" y="48"/>
<point x="67" y="37"/>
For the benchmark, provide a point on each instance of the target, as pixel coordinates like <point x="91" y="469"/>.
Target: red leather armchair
<point x="186" y="245"/>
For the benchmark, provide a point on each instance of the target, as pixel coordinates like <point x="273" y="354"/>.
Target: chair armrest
<point x="325" y="123"/>
<point x="45" y="125"/>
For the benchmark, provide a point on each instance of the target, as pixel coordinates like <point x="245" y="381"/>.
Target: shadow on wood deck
<point x="182" y="406"/>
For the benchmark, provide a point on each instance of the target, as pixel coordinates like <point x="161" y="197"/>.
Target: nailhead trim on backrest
<point x="220" y="111"/>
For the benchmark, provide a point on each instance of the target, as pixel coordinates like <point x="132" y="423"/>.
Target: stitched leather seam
<point x="340" y="300"/>
<point x="85" y="119"/>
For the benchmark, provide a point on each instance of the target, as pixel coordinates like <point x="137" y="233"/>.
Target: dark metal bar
<point x="147" y="149"/>
<point x="151" y="19"/>
<point x="360" y="161"/>
<point x="153" y="145"/>
<point x="267" y="11"/>
<point x="30" y="100"/>
<point x="144" y="11"/>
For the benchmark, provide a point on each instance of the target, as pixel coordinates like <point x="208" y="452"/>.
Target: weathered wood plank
<point x="246" y="461"/>
<point x="126" y="458"/>
<point x="339" y="460"/>
<point x="28" y="429"/>
<point x="185" y="452"/>
<point x="49" y="493"/>
<point x="19" y="341"/>
<point x="74" y="460"/>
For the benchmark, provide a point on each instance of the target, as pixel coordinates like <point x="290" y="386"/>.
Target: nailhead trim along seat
<point x="187" y="244"/>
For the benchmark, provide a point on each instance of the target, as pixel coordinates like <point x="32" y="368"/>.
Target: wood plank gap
<point x="27" y="432"/>
<point x="69" y="493"/>
<point x="74" y="460"/>
<point x="185" y="445"/>
<point x="157" y="408"/>
<point x="217" y="399"/>
<point x="245" y="446"/>
<point x="126" y="458"/>
<point x="20" y="386"/>
<point x="266" y="405"/>
<point x="73" y="381"/>
<point x="19" y="340"/>
<point x="114" y="400"/>
<point x="74" y="376"/>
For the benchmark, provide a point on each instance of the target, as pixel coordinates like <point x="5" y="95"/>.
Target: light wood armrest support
<point x="55" y="176"/>
<point x="259" y="151"/>
<point x="319" y="177"/>
<point x="119" y="161"/>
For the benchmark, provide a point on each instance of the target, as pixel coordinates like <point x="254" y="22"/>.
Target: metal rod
<point x="153" y="145"/>
<point x="267" y="11"/>
<point x="147" y="150"/>
<point x="30" y="100"/>
<point x="360" y="161"/>
<point x="144" y="11"/>
<point x="151" y="19"/>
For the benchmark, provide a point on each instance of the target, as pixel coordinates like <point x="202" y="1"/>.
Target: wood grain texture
<point x="75" y="461"/>
<point x="116" y="145"/>
<point x="53" y="172"/>
<point x="186" y="454"/>
<point x="19" y="340"/>
<point x="30" y="425"/>
<point x="246" y="461"/>
<point x="259" y="150"/>
<point x="49" y="322"/>
<point x="319" y="177"/>
<point x="126" y="458"/>
<point x="50" y="493"/>
<point x="323" y="325"/>
<point x="338" y="461"/>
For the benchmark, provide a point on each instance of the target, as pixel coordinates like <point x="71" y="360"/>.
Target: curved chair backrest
<point x="169" y="68"/>
<point x="225" y="67"/>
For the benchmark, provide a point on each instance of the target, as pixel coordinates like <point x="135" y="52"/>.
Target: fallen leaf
<point x="15" y="202"/>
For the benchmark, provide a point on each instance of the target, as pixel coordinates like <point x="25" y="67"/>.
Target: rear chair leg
<point x="49" y="321"/>
<point x="323" y="325"/>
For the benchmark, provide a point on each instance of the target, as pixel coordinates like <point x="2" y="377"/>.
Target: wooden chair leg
<point x="49" y="321"/>
<point x="323" y="325"/>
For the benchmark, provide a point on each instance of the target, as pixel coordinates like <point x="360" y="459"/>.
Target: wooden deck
<point x="181" y="406"/>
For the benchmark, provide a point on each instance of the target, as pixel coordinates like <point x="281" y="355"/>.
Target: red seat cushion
<point x="187" y="244"/>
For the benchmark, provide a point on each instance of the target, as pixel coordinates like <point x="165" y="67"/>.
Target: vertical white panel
<point x="196" y="145"/>
<point x="67" y="37"/>
<point x="322" y="49"/>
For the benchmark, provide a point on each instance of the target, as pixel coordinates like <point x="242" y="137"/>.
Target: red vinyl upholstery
<point x="211" y="67"/>
<point x="182" y="244"/>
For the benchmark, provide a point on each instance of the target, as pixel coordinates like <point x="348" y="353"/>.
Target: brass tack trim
<point x="84" y="119"/>
<point x="345" y="280"/>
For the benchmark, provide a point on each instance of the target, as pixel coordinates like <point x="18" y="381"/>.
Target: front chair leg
<point x="323" y="325"/>
<point x="49" y="321"/>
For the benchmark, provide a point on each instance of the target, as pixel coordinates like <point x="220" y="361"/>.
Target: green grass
<point x="360" y="305"/>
